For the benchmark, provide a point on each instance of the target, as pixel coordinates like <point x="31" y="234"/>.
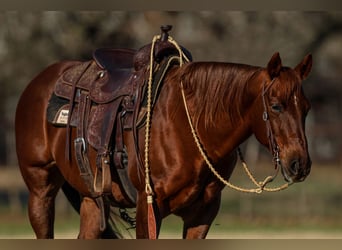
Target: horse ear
<point x="274" y="65"/>
<point x="304" y="67"/>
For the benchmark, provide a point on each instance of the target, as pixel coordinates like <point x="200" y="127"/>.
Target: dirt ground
<point x="230" y="235"/>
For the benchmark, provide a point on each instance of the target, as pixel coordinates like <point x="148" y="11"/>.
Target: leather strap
<point x="71" y="108"/>
<point x="103" y="178"/>
<point x="103" y="181"/>
<point x="101" y="204"/>
<point x="83" y="109"/>
<point x="81" y="146"/>
<point x="84" y="166"/>
<point x="273" y="146"/>
<point x="83" y="160"/>
<point x="119" y="145"/>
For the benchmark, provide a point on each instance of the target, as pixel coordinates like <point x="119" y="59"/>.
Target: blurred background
<point x="30" y="41"/>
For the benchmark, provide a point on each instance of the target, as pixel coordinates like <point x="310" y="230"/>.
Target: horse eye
<point x="277" y="107"/>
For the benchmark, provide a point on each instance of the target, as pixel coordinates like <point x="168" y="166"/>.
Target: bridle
<point x="260" y="185"/>
<point x="273" y="146"/>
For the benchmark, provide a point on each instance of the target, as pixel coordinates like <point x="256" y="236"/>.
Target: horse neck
<point x="221" y="139"/>
<point x="225" y="132"/>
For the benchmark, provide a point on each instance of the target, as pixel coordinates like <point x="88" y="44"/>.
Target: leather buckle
<point x="81" y="140"/>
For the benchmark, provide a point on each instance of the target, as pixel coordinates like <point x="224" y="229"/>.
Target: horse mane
<point x="213" y="86"/>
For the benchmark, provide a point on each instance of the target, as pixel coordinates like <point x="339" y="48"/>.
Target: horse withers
<point x="227" y="103"/>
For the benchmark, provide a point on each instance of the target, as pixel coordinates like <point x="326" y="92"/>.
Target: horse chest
<point x="194" y="194"/>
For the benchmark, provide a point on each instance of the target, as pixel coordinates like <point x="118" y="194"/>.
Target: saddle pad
<point x="58" y="111"/>
<point x="157" y="84"/>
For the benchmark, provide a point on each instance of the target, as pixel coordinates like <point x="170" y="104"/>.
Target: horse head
<point x="279" y="118"/>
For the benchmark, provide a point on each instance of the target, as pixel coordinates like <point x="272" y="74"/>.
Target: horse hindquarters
<point x="41" y="157"/>
<point x="35" y="159"/>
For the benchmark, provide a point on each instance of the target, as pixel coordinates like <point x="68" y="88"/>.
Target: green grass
<point x="18" y="223"/>
<point x="314" y="205"/>
<point x="311" y="206"/>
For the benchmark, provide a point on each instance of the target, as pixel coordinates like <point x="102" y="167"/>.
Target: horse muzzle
<point x="296" y="170"/>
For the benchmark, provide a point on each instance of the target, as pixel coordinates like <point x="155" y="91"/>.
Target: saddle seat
<point x="105" y="78"/>
<point x="113" y="59"/>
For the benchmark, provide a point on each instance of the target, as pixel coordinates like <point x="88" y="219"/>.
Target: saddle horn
<point x="165" y="32"/>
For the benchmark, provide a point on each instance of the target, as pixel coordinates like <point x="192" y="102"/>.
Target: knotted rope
<point x="260" y="186"/>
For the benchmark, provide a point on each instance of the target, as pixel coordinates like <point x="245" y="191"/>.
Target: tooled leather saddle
<point x="103" y="97"/>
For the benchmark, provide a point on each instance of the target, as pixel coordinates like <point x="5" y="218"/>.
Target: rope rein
<point x="260" y="186"/>
<point x="148" y="188"/>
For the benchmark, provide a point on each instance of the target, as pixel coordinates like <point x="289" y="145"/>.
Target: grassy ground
<point x="311" y="209"/>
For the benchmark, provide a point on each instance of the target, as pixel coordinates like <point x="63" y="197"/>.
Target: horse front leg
<point x="198" y="219"/>
<point x="91" y="216"/>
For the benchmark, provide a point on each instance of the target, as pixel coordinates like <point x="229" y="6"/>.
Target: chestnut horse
<point x="225" y="103"/>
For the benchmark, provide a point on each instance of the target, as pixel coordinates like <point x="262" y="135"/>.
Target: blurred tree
<point x="29" y="41"/>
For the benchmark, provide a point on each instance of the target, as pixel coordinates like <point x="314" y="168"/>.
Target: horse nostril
<point x="294" y="167"/>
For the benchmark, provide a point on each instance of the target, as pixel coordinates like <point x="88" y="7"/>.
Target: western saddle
<point x="103" y="97"/>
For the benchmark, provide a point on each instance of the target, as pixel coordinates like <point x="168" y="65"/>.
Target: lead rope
<point x="261" y="186"/>
<point x="151" y="222"/>
<point x="148" y="189"/>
